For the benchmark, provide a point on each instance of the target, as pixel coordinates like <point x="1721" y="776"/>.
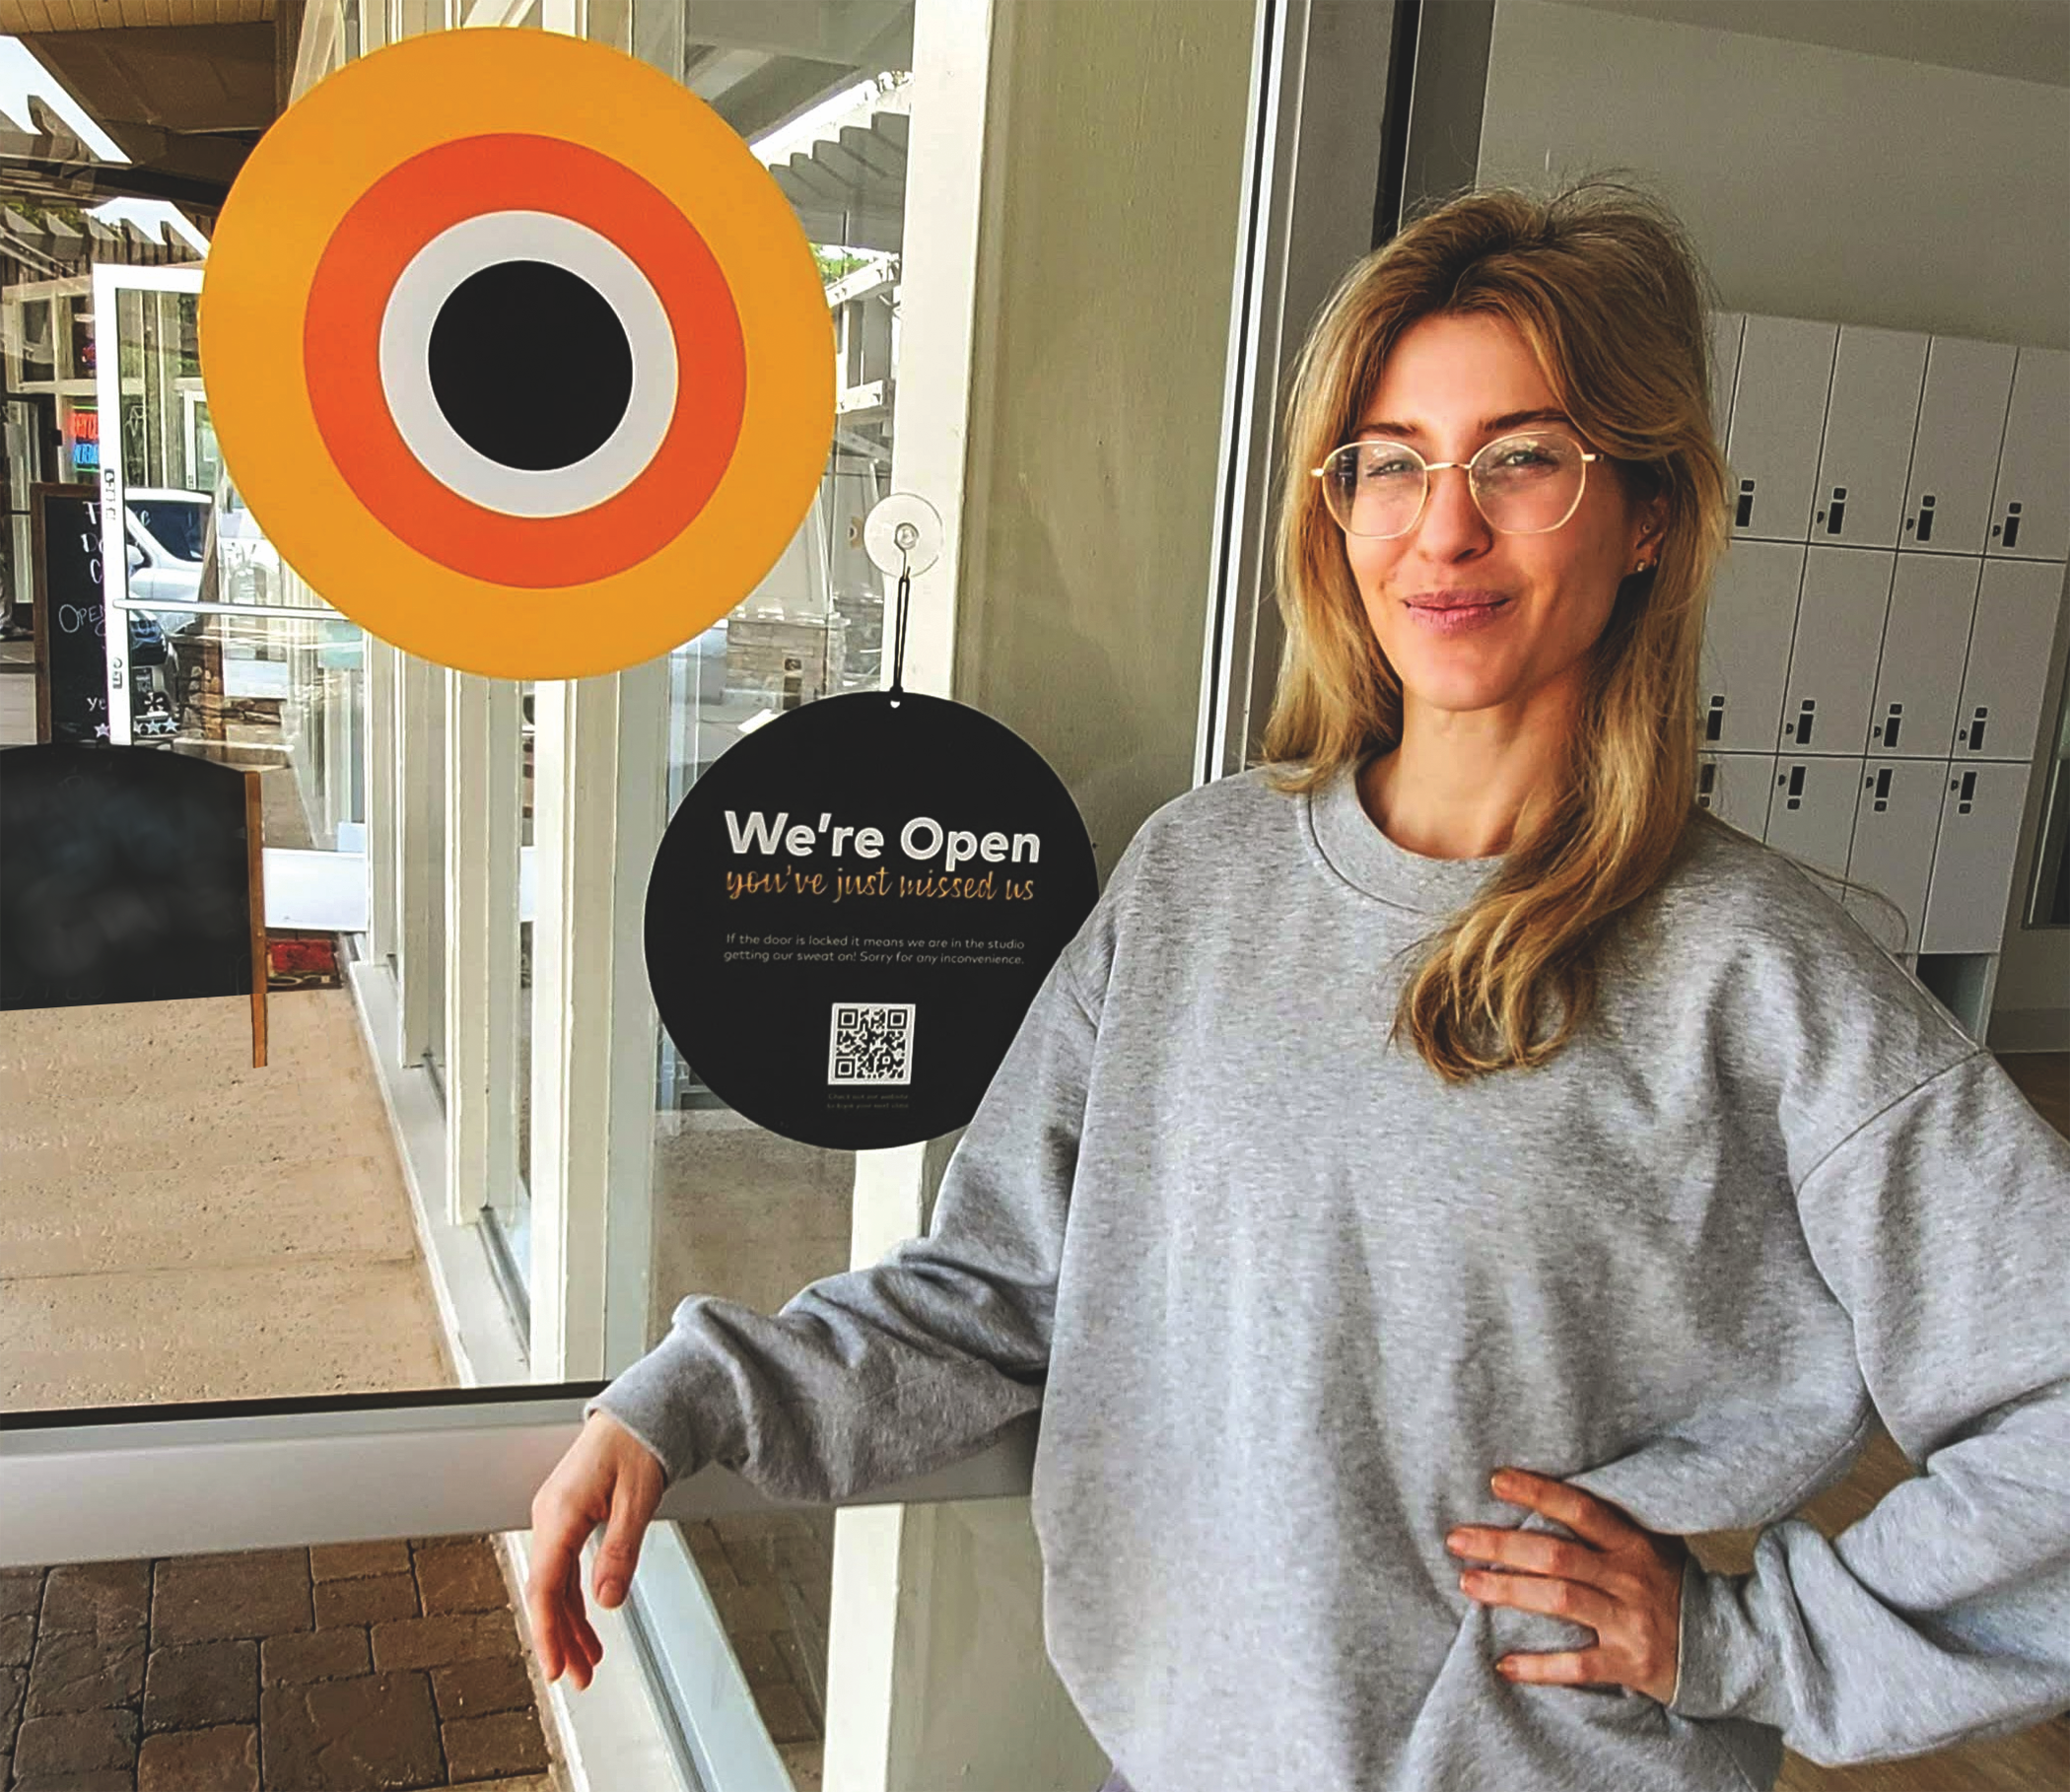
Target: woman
<point x="1664" y="1182"/>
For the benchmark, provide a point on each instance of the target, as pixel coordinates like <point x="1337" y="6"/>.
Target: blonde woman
<point x="1448" y="1167"/>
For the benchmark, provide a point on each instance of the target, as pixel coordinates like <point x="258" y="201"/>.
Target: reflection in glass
<point x="740" y="1212"/>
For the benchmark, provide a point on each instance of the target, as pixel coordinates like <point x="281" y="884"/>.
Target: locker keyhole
<point x="1976" y="731"/>
<point x="1926" y="519"/>
<point x="1883" y="789"/>
<point x="1706" y="781"/>
<point x="1966" y="787"/>
<point x="1746" y="511"/>
<point x="1803" y="731"/>
<point x="1795" y="799"/>
<point x="1888" y="733"/>
<point x="1839" y="505"/>
<point x="1714" y="722"/>
<point x="2012" y="524"/>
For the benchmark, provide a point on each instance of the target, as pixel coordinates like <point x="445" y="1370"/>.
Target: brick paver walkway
<point x="331" y="1669"/>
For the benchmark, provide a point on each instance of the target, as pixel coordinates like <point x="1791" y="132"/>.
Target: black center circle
<point x="530" y="365"/>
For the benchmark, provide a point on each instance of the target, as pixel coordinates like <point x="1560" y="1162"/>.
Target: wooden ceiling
<point x="19" y="16"/>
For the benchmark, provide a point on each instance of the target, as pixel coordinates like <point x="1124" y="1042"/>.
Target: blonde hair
<point x="1603" y="285"/>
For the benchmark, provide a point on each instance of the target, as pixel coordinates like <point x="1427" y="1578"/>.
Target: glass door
<point x="227" y="653"/>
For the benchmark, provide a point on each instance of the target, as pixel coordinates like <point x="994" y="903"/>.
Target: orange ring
<point x="294" y="196"/>
<point x="377" y="240"/>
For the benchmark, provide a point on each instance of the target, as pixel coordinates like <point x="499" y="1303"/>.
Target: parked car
<point x="166" y="535"/>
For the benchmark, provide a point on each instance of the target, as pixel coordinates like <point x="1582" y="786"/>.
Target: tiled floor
<point x="327" y="1670"/>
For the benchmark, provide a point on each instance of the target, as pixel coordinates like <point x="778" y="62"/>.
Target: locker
<point x="1725" y="331"/>
<point x="1973" y="860"/>
<point x="1778" y="416"/>
<point x="1840" y="613"/>
<point x="1867" y="450"/>
<point x="1746" y="630"/>
<point x="2030" y="510"/>
<point x="1954" y="449"/>
<point x="1999" y="715"/>
<point x="1810" y="809"/>
<point x="1925" y="638"/>
<point x="1898" y="813"/>
<point x="1734" y="786"/>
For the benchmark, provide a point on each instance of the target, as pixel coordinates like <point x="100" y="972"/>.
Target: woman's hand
<point x="1622" y="1581"/>
<point x="608" y="1477"/>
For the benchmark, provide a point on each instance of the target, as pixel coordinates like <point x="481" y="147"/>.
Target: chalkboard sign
<point x="128" y="873"/>
<point x="71" y="662"/>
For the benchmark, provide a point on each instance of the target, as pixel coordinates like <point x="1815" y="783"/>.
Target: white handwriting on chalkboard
<point x="72" y="618"/>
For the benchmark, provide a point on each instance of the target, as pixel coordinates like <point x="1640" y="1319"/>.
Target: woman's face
<point x="1450" y="385"/>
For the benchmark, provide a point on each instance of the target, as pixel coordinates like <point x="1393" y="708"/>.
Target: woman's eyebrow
<point x="1508" y="420"/>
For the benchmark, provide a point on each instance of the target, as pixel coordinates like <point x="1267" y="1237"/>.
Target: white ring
<point x="413" y="306"/>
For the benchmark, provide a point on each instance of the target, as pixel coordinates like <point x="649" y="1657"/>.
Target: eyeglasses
<point x="1524" y="485"/>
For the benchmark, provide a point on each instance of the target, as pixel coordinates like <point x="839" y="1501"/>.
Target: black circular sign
<point x="570" y="399"/>
<point x="852" y="910"/>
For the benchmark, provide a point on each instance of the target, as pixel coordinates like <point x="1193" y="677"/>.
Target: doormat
<point x="303" y="961"/>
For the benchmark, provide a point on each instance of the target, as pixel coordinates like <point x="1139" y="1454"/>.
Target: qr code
<point x="872" y="1043"/>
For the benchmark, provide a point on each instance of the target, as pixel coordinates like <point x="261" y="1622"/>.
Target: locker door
<point x="1726" y="328"/>
<point x="1810" y="809"/>
<point x="1746" y="630"/>
<point x="1832" y="661"/>
<point x="1778" y="415"/>
<point x="1897" y="816"/>
<point x="1955" y="451"/>
<point x="1972" y="861"/>
<point x="1734" y="786"/>
<point x="1867" y="453"/>
<point x="2000" y="713"/>
<point x="1933" y="600"/>
<point x="2030" y="512"/>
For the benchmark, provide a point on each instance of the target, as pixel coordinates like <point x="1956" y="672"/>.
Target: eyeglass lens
<point x="1524" y="485"/>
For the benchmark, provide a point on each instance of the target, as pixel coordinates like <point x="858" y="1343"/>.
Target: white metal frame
<point x="110" y="279"/>
<point x="1310" y="169"/>
<point x="343" y="1468"/>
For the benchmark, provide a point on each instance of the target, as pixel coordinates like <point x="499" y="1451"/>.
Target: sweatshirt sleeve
<point x="1943" y="1225"/>
<point x="868" y="1376"/>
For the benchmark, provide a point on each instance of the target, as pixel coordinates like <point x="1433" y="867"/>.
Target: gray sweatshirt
<point x="1285" y="1300"/>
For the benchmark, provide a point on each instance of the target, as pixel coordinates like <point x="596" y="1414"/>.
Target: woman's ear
<point x="1653" y="525"/>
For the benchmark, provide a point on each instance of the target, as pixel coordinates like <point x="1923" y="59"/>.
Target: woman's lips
<point x="1458" y="619"/>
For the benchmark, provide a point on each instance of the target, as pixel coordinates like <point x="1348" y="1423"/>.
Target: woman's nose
<point x="1451" y="522"/>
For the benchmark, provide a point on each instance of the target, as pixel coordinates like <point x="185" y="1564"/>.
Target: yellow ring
<point x="369" y="118"/>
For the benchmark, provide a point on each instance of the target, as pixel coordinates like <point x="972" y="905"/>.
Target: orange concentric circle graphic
<point x="650" y="447"/>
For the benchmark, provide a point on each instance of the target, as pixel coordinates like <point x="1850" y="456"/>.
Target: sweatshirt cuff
<point x="1724" y="1659"/>
<point x="673" y="1401"/>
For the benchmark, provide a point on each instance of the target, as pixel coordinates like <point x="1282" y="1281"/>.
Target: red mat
<point x="302" y="961"/>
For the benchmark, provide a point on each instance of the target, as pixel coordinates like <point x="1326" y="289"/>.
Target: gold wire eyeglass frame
<point x="1438" y="466"/>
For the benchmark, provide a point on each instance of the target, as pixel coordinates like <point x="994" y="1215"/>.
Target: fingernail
<point x="611" y="1592"/>
<point x="1508" y="1667"/>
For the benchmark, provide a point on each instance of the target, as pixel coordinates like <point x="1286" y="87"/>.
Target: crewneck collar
<point x="1368" y="859"/>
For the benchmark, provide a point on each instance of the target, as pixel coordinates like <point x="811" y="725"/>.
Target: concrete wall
<point x="1823" y="183"/>
<point x="1104" y="293"/>
<point x="1065" y="417"/>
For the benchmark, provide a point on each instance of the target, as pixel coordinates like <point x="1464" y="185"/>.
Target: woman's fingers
<point x="1620" y="1580"/>
<point x="551" y="1551"/>
<point x="1588" y="1517"/>
<point x="1532" y="1552"/>
<point x="1577" y="1668"/>
<point x="1567" y="1599"/>
<point x="636" y="1490"/>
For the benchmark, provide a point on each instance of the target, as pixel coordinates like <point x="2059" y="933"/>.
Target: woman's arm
<point x="866" y="1377"/>
<point x="1943" y="1227"/>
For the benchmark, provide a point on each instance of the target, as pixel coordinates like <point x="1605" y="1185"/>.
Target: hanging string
<point x="897" y="658"/>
